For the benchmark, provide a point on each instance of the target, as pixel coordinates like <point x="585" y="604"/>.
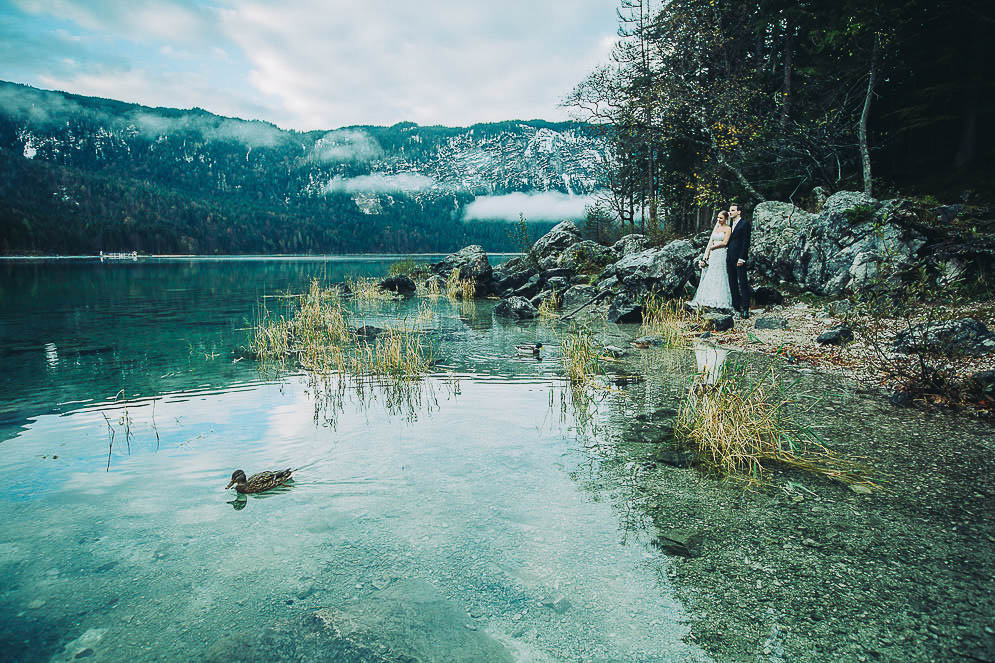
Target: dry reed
<point x="739" y="428"/>
<point x="549" y="307"/>
<point x="459" y="288"/>
<point x="670" y="320"/>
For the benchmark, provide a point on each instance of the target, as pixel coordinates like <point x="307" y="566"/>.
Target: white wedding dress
<point x="713" y="290"/>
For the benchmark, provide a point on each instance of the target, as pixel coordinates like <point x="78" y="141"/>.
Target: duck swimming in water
<point x="257" y="483"/>
<point x="529" y="349"/>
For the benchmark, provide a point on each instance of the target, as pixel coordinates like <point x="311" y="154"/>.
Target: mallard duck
<point x="257" y="483"/>
<point x="529" y="348"/>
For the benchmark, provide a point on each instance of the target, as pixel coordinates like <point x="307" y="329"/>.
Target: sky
<point x="314" y="64"/>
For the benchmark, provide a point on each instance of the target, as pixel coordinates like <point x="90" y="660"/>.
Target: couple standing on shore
<point x="723" y="282"/>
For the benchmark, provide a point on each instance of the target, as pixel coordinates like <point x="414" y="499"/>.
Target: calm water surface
<point x="463" y="520"/>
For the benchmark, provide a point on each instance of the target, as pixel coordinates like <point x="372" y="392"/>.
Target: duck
<point x="529" y="348"/>
<point x="260" y="482"/>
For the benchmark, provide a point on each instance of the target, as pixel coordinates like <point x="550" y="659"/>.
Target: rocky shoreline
<point x="804" y="267"/>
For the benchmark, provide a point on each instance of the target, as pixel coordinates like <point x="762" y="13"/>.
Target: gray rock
<point x="510" y="280"/>
<point x="628" y="244"/>
<point x="718" y="321"/>
<point x="839" y="308"/>
<point x="587" y="257"/>
<point x="664" y="270"/>
<point x="555" y="273"/>
<point x="771" y="322"/>
<point x="836" y="336"/>
<point x="438" y="281"/>
<point x="557" y="283"/>
<point x="839" y="249"/>
<point x="400" y="284"/>
<point x="541" y="297"/>
<point x="518" y="308"/>
<point x="649" y="341"/>
<point x="548" y="248"/>
<point x="530" y="288"/>
<point x="625" y="309"/>
<point x="577" y="295"/>
<point x="472" y="263"/>
<point x="958" y="337"/>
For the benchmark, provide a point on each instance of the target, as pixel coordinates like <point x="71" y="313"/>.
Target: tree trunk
<point x="865" y="152"/>
<point x="786" y="101"/>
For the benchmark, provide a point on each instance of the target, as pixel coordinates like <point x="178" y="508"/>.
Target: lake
<point x="466" y="518"/>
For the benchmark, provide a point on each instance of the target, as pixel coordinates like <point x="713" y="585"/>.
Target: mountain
<point x="83" y="174"/>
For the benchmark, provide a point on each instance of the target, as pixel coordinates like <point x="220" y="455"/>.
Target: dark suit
<point x="738" y="249"/>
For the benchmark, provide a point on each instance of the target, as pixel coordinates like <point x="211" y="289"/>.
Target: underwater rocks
<point x="518" y="308"/>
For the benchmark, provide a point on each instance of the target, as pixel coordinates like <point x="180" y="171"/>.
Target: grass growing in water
<point x="409" y="268"/>
<point x="368" y="291"/>
<point x="319" y="336"/>
<point x="670" y="320"/>
<point x="549" y="307"/>
<point x="458" y="288"/>
<point x="739" y="427"/>
<point x="581" y="356"/>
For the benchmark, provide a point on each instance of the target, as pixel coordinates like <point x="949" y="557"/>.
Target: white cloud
<point x="346" y="145"/>
<point x="400" y="183"/>
<point x="442" y="62"/>
<point x="322" y="64"/>
<point x="162" y="20"/>
<point x="541" y="206"/>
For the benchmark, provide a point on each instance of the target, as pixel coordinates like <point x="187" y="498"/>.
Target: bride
<point x="713" y="290"/>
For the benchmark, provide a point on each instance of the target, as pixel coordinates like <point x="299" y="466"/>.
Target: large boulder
<point x="472" y="263"/>
<point x="837" y="250"/>
<point x="401" y="284"/>
<point x="625" y="308"/>
<point x="633" y="243"/>
<point x="662" y="270"/>
<point x="518" y="308"/>
<point x="547" y="249"/>
<point x="577" y="295"/>
<point x="586" y="257"/>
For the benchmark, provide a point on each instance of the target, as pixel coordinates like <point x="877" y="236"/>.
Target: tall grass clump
<point x="741" y="427"/>
<point x="366" y="290"/>
<point x="460" y="288"/>
<point x="670" y="320"/>
<point x="549" y="307"/>
<point x="319" y="320"/>
<point x="410" y="268"/>
<point x="581" y="356"/>
<point x="397" y="352"/>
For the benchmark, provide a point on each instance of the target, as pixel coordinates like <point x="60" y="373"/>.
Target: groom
<point x="738" y="250"/>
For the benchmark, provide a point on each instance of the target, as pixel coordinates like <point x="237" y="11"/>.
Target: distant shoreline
<point x="246" y="256"/>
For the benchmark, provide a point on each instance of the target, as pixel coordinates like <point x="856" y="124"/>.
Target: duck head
<point x="237" y="477"/>
<point x="538" y="346"/>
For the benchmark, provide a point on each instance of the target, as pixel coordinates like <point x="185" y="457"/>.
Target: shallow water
<point x="465" y="519"/>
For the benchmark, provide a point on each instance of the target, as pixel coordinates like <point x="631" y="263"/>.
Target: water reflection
<point x="711" y="361"/>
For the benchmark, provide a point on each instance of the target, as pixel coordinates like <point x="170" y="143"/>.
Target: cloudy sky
<point x="314" y="64"/>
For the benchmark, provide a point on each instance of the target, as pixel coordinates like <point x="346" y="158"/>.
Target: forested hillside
<point x="83" y="174"/>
